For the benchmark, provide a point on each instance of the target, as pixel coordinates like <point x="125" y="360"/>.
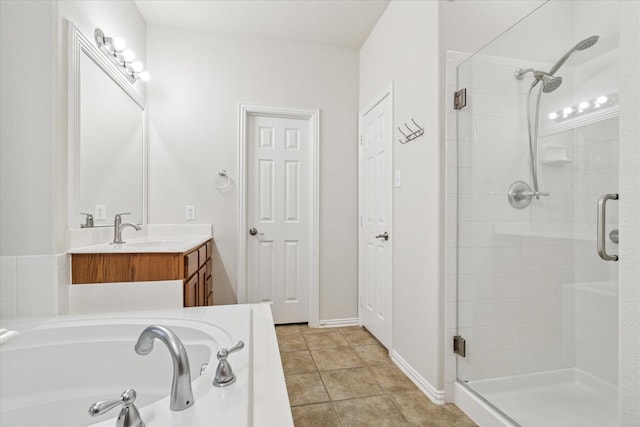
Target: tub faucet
<point x="118" y="226"/>
<point x="129" y="415"/>
<point x="181" y="394"/>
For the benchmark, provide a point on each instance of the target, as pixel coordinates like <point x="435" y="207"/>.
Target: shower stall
<point x="536" y="226"/>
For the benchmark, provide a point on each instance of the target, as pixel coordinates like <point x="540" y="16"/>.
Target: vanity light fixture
<point x="114" y="48"/>
<point x="584" y="107"/>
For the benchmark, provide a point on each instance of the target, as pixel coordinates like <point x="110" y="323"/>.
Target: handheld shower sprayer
<point x="550" y="82"/>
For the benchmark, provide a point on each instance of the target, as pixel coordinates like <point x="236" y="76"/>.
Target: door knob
<point x="384" y="236"/>
<point x="253" y="231"/>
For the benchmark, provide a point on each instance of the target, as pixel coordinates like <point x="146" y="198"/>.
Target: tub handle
<point x="129" y="415"/>
<point x="224" y="373"/>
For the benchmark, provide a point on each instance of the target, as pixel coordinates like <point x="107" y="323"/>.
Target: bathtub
<point x="55" y="369"/>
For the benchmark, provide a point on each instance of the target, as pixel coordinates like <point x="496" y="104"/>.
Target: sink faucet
<point x="181" y="394"/>
<point x="118" y="226"/>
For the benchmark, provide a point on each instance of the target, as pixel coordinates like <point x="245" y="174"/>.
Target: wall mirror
<point x="107" y="139"/>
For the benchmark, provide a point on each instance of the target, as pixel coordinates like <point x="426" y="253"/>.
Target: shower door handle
<point x="602" y="220"/>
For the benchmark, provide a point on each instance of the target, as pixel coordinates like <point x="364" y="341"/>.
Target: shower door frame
<point x="629" y="273"/>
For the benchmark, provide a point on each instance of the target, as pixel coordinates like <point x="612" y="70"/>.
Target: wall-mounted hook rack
<point x="413" y="134"/>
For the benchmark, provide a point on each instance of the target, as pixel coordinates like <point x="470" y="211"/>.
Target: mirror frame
<point x="80" y="45"/>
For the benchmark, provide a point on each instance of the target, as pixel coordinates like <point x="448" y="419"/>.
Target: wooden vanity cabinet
<point x="193" y="267"/>
<point x="198" y="282"/>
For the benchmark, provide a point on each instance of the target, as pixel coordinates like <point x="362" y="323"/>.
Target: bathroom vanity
<point x="147" y="260"/>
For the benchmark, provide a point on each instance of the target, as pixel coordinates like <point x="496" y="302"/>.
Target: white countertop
<point x="147" y="244"/>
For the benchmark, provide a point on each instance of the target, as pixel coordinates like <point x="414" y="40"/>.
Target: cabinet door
<point x="191" y="263"/>
<point x="209" y="290"/>
<point x="191" y="292"/>
<point x="202" y="295"/>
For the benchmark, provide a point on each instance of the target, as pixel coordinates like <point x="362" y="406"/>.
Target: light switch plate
<point x="190" y="213"/>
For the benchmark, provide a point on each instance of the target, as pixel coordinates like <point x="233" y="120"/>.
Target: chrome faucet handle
<point x="88" y="220"/>
<point x="119" y="215"/>
<point x="129" y="415"/>
<point x="224" y="373"/>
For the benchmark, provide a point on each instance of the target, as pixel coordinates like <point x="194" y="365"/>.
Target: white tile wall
<point x="33" y="286"/>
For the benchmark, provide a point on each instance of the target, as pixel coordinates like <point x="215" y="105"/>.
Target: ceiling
<point x="334" y="22"/>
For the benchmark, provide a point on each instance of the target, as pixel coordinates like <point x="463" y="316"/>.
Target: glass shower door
<point x="537" y="150"/>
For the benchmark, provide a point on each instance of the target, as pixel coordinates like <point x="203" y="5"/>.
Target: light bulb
<point x="128" y="55"/>
<point x="553" y="116"/>
<point x="118" y="43"/>
<point x="144" y="76"/>
<point x="137" y="66"/>
<point x="601" y="99"/>
<point x="583" y="105"/>
<point x="567" y="111"/>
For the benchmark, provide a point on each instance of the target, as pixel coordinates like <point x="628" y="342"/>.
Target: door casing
<point x="313" y="116"/>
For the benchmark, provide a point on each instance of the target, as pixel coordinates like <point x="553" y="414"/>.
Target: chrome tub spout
<point x="181" y="394"/>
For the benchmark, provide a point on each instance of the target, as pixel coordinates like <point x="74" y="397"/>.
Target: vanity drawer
<point x="191" y="263"/>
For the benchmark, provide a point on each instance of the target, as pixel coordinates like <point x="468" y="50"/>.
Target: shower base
<point x="567" y="398"/>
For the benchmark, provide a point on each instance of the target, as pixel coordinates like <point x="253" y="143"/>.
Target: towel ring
<point x="223" y="173"/>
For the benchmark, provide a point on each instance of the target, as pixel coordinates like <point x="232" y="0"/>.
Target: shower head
<point x="550" y="83"/>
<point x="587" y="43"/>
<point x="582" y="45"/>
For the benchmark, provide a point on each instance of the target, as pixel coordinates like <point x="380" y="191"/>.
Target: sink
<point x="151" y="243"/>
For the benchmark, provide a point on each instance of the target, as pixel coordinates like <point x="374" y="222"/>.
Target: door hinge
<point x="459" y="346"/>
<point x="459" y="98"/>
<point x="361" y="139"/>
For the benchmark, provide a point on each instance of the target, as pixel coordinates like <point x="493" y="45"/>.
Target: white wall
<point x="28" y="101"/>
<point x="198" y="80"/>
<point x="403" y="48"/>
<point x="629" y="297"/>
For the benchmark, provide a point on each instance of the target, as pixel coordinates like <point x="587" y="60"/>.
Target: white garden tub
<point x="55" y="369"/>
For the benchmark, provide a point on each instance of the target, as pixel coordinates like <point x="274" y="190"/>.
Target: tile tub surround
<point x="33" y="286"/>
<point x="344" y="377"/>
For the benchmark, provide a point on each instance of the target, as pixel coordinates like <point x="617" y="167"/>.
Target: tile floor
<point x="344" y="377"/>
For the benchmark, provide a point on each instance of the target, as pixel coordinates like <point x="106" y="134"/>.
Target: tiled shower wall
<point x="515" y="266"/>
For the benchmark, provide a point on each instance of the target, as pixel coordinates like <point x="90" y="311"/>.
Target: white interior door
<point x="375" y="200"/>
<point x="278" y="174"/>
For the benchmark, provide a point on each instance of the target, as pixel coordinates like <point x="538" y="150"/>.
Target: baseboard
<point x="435" y="395"/>
<point x="335" y="323"/>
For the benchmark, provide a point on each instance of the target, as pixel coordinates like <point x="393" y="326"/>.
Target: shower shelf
<point x="554" y="155"/>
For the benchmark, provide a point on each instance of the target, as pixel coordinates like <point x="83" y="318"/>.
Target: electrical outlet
<point x="190" y="213"/>
<point x="100" y="212"/>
